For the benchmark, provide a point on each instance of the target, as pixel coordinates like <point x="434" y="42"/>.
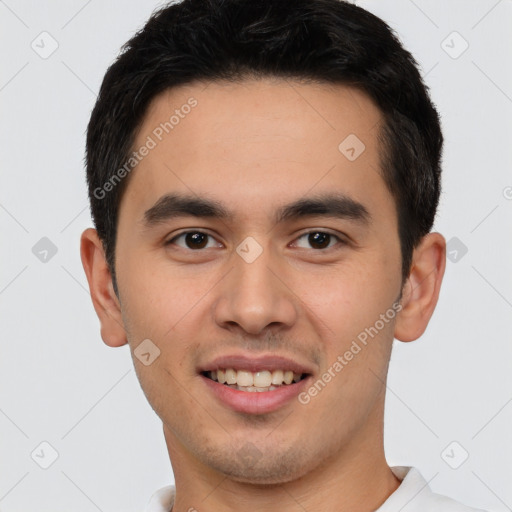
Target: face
<point x="294" y="258"/>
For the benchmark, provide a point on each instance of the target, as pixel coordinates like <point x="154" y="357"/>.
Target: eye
<point x="320" y="239"/>
<point x="193" y="240"/>
<point x="197" y="240"/>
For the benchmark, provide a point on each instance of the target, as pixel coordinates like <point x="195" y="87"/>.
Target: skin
<point x="254" y="146"/>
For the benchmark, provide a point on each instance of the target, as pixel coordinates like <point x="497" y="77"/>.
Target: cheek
<point x="154" y="296"/>
<point x="347" y="298"/>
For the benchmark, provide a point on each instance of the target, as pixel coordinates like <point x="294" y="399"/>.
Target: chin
<point x="249" y="466"/>
<point x="265" y="476"/>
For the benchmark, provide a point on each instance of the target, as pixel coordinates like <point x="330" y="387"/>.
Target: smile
<point x="258" y="381"/>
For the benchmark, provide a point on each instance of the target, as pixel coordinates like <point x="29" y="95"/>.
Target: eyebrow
<point x="338" y="206"/>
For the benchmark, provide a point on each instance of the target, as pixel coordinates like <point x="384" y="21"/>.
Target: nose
<point x="254" y="295"/>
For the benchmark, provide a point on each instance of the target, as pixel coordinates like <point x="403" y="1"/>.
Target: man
<point x="263" y="178"/>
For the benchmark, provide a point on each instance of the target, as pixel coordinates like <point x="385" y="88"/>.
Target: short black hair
<point x="324" y="41"/>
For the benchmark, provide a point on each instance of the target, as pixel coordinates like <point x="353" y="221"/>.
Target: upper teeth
<point x="261" y="379"/>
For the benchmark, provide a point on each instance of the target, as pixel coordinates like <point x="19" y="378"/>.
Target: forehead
<point x="255" y="139"/>
<point x="266" y="107"/>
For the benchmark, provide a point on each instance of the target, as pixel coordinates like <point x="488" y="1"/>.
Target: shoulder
<point x="415" y="495"/>
<point x="450" y="505"/>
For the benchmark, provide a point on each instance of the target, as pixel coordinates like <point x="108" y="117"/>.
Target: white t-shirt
<point x="413" y="495"/>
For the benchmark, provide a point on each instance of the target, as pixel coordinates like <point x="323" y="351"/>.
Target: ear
<point x="104" y="299"/>
<point x="421" y="290"/>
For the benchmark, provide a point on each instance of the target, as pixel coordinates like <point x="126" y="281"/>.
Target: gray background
<point x="449" y="393"/>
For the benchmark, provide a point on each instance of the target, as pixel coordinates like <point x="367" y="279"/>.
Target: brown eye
<point x="320" y="239"/>
<point x="193" y="240"/>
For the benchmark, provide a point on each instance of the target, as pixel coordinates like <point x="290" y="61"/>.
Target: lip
<point x="268" y="362"/>
<point x="255" y="402"/>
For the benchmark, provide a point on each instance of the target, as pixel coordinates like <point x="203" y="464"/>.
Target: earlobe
<point x="421" y="291"/>
<point x="104" y="299"/>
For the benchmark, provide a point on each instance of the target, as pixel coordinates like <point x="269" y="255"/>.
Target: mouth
<point x="255" y="385"/>
<point x="254" y="381"/>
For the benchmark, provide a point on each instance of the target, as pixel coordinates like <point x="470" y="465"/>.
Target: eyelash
<point x="340" y="240"/>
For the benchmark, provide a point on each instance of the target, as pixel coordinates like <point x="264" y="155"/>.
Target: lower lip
<point x="255" y="402"/>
